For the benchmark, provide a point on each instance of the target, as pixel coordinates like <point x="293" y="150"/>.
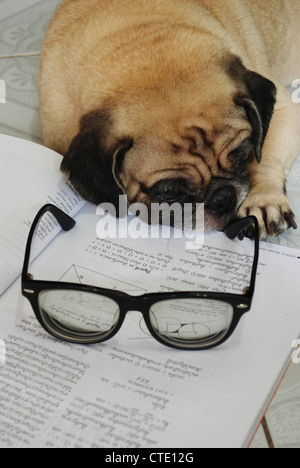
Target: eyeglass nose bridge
<point x="135" y="304"/>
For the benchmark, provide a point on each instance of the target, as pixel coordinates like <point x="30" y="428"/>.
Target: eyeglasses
<point x="183" y="320"/>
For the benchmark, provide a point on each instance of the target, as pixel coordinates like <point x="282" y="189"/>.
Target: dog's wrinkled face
<point x="188" y="144"/>
<point x="192" y="162"/>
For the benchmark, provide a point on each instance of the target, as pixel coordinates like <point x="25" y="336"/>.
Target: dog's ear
<point x="258" y="102"/>
<point x="90" y="163"/>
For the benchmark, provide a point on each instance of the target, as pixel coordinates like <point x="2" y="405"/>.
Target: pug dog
<point x="176" y="101"/>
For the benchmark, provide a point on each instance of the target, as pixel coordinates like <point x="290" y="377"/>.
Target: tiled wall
<point x="23" y="24"/>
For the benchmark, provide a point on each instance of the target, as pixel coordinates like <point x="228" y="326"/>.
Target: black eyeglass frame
<point x="31" y="289"/>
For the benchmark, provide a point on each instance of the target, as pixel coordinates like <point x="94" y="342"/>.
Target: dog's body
<point x="159" y="99"/>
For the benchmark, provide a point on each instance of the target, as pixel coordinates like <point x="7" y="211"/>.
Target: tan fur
<point x="159" y="68"/>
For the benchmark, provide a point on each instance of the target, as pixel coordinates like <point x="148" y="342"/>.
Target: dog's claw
<point x="272" y="211"/>
<point x="291" y="220"/>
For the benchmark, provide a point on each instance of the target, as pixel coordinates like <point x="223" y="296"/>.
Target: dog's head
<point x="186" y="140"/>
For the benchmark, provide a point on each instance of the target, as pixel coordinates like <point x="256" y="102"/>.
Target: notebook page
<point x="29" y="178"/>
<point x="132" y="391"/>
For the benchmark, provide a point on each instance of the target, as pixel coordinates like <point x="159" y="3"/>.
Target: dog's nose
<point x="223" y="201"/>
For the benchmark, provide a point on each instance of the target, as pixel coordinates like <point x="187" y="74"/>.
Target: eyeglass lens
<point x="191" y="322"/>
<point x="79" y="314"/>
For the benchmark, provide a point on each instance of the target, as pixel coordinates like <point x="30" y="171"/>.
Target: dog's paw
<point x="272" y="211"/>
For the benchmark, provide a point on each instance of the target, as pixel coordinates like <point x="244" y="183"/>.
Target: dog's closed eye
<point x="242" y="153"/>
<point x="168" y="191"/>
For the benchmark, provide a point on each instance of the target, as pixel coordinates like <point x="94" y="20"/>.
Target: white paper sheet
<point x="132" y="391"/>
<point x="29" y="178"/>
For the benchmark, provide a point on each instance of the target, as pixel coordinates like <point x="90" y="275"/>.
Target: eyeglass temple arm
<point x="66" y="223"/>
<point x="237" y="228"/>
